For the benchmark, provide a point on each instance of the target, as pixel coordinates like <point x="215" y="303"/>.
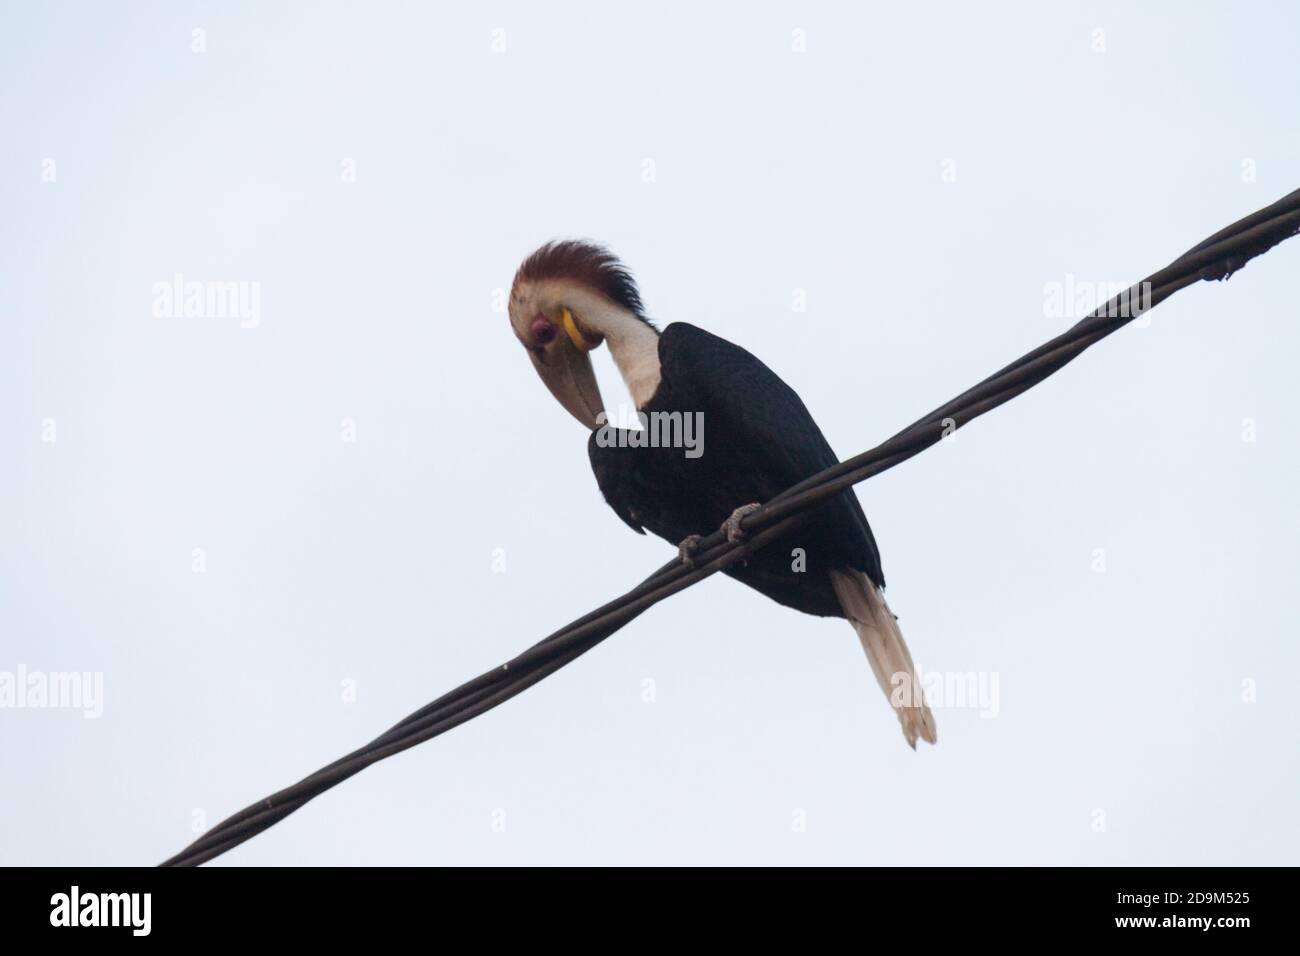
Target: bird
<point x="756" y="439"/>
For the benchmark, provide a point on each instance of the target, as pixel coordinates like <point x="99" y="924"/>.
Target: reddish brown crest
<point x="587" y="263"/>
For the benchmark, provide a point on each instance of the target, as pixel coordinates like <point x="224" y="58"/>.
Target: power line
<point x="1216" y="258"/>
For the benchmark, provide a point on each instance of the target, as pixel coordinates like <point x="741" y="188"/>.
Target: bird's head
<point x="566" y="299"/>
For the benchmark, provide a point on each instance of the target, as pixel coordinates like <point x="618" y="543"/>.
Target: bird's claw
<point x="732" y="525"/>
<point x="686" y="550"/>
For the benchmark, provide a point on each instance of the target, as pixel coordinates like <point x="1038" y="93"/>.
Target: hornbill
<point x="568" y="298"/>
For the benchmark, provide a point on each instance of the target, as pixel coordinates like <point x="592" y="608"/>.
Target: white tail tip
<point x="887" y="652"/>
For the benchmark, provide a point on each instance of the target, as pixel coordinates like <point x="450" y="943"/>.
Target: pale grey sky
<point x="1109" y="547"/>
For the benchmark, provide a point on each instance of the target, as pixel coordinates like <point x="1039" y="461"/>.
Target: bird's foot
<point x="686" y="550"/>
<point x="732" y="525"/>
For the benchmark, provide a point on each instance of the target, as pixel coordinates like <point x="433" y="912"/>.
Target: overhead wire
<point x="1216" y="258"/>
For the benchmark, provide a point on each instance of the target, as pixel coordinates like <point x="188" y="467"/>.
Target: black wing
<point x="767" y="436"/>
<point x="758" y="440"/>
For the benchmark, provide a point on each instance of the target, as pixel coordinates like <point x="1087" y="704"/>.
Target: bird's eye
<point x="543" y="331"/>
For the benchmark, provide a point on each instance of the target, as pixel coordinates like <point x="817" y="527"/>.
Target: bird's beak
<point x="567" y="372"/>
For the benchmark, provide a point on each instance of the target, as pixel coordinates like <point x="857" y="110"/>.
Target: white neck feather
<point x="633" y="343"/>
